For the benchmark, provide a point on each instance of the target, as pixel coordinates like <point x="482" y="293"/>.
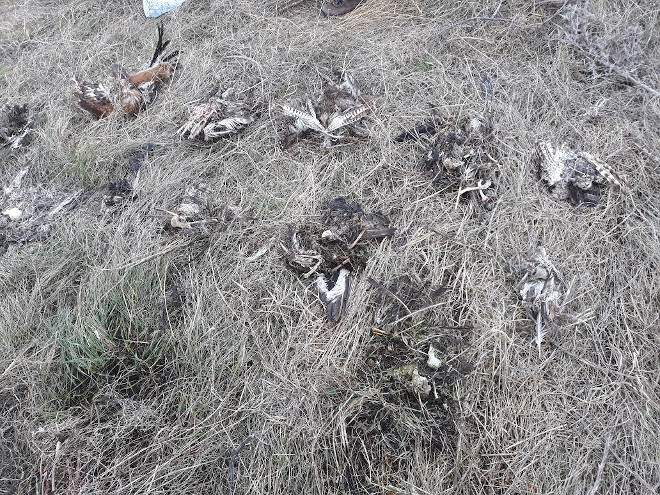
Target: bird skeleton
<point x="541" y="290"/>
<point x="124" y="93"/>
<point x="215" y="117"/>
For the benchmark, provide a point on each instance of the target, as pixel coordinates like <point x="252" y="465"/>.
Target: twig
<point x="601" y="466"/>
<point x="289" y="5"/>
<point x="410" y="315"/>
<point x="627" y="76"/>
<point x="232" y="463"/>
<point x="473" y="19"/>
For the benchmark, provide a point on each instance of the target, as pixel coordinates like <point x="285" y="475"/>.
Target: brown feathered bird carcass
<point x="127" y="94"/>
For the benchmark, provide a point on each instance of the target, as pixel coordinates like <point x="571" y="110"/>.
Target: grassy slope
<point x="151" y="408"/>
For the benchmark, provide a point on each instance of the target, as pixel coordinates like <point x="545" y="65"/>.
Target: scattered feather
<point x="29" y="212"/>
<point x="334" y="292"/>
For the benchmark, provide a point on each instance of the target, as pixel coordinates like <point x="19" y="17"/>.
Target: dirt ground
<point x="136" y="357"/>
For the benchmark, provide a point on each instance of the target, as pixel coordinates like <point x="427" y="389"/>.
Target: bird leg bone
<point x="481" y="187"/>
<point x="177" y="222"/>
<point x="357" y="239"/>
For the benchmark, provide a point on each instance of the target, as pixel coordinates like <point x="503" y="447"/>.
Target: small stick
<point x="357" y="239"/>
<point x="289" y="5"/>
<point x="232" y="463"/>
<point x="341" y="265"/>
<point x="410" y="315"/>
<point x="601" y="466"/>
<point x="471" y="19"/>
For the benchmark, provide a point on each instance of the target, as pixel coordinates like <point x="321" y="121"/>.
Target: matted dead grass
<point x="136" y="358"/>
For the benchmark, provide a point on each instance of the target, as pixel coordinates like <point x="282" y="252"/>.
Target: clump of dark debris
<point x="15" y="126"/>
<point x="215" y="117"/>
<point x="337" y="112"/>
<point x="334" y="249"/>
<point x="460" y="153"/>
<point x="120" y="192"/>
<point x="29" y="213"/>
<point x="541" y="289"/>
<point x="574" y="176"/>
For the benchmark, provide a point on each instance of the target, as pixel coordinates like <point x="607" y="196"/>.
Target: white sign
<point x="155" y="8"/>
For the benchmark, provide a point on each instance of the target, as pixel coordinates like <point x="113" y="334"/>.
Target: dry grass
<point x="105" y="388"/>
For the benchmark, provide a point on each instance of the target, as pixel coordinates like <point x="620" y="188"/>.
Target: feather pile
<point x="574" y="176"/>
<point x="540" y="287"/>
<point x="215" y="117"/>
<point x="127" y="94"/>
<point x="334" y="249"/>
<point x="337" y="112"/>
<point x="28" y="213"/>
<point x="15" y="126"/>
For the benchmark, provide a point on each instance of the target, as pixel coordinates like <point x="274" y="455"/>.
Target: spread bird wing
<point x="347" y="117"/>
<point x="94" y="98"/>
<point x="310" y="121"/>
<point x="335" y="298"/>
<point x="604" y="169"/>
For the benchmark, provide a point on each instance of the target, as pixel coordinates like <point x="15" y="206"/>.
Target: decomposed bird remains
<point x="574" y="176"/>
<point x="335" y="249"/>
<point x="15" y="126"/>
<point x="215" y="117"/>
<point x="195" y="210"/>
<point x="459" y="155"/>
<point x="127" y="94"/>
<point x="540" y="287"/>
<point x="336" y="112"/>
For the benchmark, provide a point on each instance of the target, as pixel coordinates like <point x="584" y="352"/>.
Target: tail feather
<point x="159" y="45"/>
<point x="160" y="48"/>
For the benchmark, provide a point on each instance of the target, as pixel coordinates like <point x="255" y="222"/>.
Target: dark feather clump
<point x="15" y="126"/>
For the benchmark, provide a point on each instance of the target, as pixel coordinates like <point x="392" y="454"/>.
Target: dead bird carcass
<point x="577" y="177"/>
<point x="541" y="289"/>
<point x="460" y="155"/>
<point x="336" y="113"/>
<point x="334" y="249"/>
<point x="215" y="117"/>
<point x="123" y="93"/>
<point x="199" y="212"/>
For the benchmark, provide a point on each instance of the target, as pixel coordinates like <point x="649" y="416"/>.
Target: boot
<point x="339" y="7"/>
